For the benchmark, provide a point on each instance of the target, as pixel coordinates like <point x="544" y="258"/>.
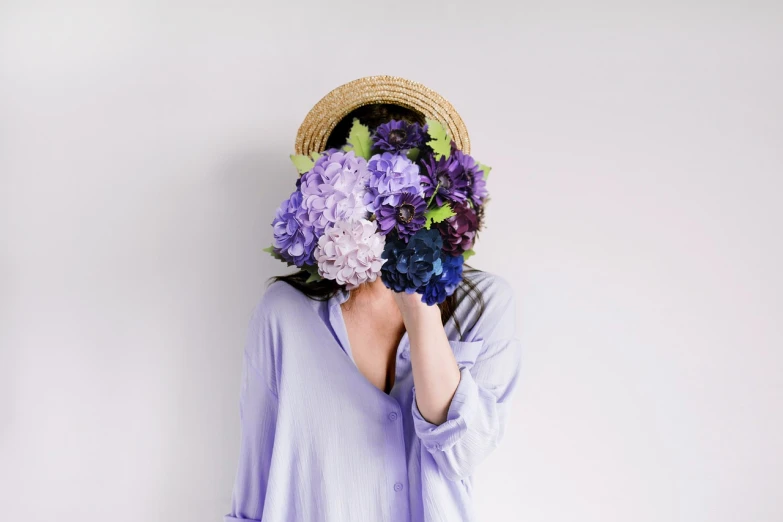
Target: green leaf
<point x="312" y="269"/>
<point x="277" y="256"/>
<point x="315" y="155"/>
<point x="314" y="275"/>
<point x="436" y="215"/>
<point x="359" y="139"/>
<point x="467" y="255"/>
<point x="486" y="169"/>
<point x="302" y="163"/>
<point x="413" y="154"/>
<point x="441" y="141"/>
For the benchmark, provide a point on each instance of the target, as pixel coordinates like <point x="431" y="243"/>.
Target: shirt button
<point x="437" y="445"/>
<point x="404" y="354"/>
<point x="393" y="416"/>
<point x="398" y="486"/>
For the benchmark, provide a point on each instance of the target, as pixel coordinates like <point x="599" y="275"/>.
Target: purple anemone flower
<point x="446" y="178"/>
<point x="406" y="215"/>
<point x="477" y="186"/>
<point x="399" y="135"/>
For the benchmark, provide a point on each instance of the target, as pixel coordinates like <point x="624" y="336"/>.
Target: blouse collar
<point x="339" y="297"/>
<point x="338" y="322"/>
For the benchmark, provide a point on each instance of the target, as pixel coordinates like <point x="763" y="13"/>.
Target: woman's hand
<point x="413" y="309"/>
<point x="435" y="371"/>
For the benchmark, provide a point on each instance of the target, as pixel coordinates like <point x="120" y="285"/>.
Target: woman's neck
<point x="374" y="297"/>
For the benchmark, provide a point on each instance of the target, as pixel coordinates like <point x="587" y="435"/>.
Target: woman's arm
<point x="258" y="419"/>
<point x="459" y="413"/>
<point x="435" y="371"/>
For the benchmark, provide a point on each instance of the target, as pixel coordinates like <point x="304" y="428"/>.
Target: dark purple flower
<point x="459" y="231"/>
<point x="480" y="213"/>
<point x="294" y="240"/>
<point x="398" y="135"/>
<point x="448" y="177"/>
<point x="443" y="285"/>
<point x="410" y="266"/>
<point x="406" y="215"/>
<point x="477" y="186"/>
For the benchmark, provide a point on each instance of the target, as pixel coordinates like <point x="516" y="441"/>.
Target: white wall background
<point x="637" y="153"/>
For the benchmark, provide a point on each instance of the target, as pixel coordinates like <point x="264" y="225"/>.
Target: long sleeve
<point x="476" y="418"/>
<point x="258" y="408"/>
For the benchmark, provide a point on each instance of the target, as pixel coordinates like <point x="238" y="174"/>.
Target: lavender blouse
<point x="321" y="443"/>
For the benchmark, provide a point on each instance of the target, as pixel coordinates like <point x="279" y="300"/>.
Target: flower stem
<point x="433" y="194"/>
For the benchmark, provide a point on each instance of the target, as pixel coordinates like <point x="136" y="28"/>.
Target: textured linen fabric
<point x="321" y="443"/>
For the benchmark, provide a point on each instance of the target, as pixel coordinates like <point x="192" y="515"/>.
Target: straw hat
<point x="325" y="114"/>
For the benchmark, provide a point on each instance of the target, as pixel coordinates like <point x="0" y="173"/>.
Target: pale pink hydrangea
<point x="349" y="252"/>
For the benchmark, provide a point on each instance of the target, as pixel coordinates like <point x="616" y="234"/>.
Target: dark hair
<point x="373" y="115"/>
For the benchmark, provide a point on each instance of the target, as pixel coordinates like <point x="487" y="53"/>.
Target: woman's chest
<point x="373" y="345"/>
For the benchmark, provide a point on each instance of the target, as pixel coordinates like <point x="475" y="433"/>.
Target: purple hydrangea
<point x="390" y="176"/>
<point x="459" y="231"/>
<point x="294" y="241"/>
<point x="446" y="178"/>
<point x="399" y="135"/>
<point x="334" y="189"/>
<point x="477" y="186"/>
<point x="406" y="215"/>
<point x="410" y="266"/>
<point x="443" y="285"/>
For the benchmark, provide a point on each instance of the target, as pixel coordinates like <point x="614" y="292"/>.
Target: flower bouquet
<point x="399" y="201"/>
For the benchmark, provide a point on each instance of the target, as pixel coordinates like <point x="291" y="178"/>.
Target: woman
<point x="368" y="404"/>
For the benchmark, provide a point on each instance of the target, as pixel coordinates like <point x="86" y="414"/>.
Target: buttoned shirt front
<point x="320" y="442"/>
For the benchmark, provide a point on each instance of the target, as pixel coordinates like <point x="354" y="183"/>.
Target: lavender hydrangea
<point x="293" y="240"/>
<point x="406" y="216"/>
<point x="399" y="135"/>
<point x="334" y="189"/>
<point x="443" y="285"/>
<point x="390" y="176"/>
<point x="349" y="252"/>
<point x="410" y="266"/>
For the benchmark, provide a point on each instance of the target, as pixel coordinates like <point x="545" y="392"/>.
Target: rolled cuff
<point x="440" y="437"/>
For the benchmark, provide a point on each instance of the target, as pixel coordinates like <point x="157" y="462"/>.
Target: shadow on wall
<point x="243" y="193"/>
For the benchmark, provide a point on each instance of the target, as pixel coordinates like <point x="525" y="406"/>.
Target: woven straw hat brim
<point x="325" y="114"/>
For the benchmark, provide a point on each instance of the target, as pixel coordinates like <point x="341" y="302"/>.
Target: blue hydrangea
<point x="443" y="285"/>
<point x="410" y="266"/>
